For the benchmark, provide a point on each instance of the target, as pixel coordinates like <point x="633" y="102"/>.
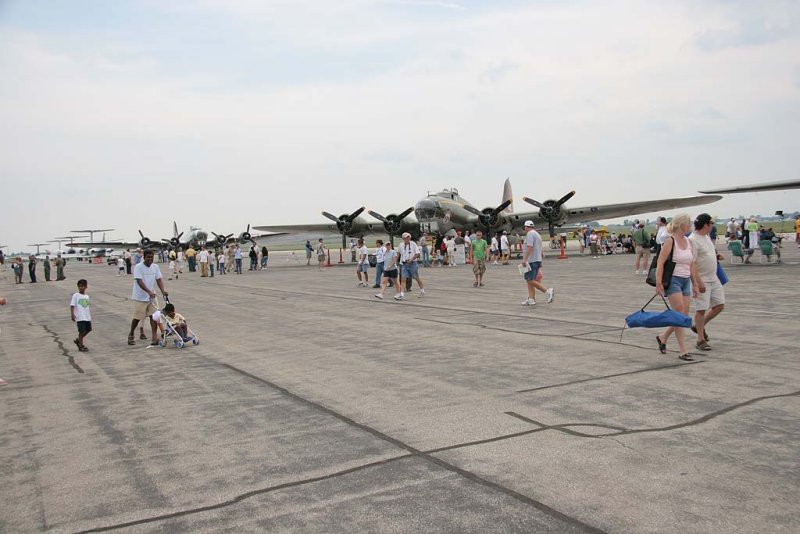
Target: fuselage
<point x="442" y="212"/>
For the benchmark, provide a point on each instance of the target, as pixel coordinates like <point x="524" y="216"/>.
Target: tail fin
<point x="508" y="195"/>
<point x="174" y="229"/>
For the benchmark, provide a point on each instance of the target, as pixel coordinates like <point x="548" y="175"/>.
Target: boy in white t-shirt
<point x="120" y="266"/>
<point x="79" y="311"/>
<point x="363" y="264"/>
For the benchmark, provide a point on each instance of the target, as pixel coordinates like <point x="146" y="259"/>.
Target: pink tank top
<point x="683" y="259"/>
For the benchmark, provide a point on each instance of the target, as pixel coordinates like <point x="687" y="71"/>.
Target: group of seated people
<point x="769" y="245"/>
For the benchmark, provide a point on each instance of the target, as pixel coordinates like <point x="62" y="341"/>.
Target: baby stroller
<point x="169" y="331"/>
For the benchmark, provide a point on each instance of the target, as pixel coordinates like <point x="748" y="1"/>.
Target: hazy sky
<point x="129" y="114"/>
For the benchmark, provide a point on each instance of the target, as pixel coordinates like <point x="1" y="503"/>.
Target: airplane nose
<point x="425" y="210"/>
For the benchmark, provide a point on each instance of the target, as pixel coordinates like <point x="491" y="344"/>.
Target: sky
<point x="129" y="114"/>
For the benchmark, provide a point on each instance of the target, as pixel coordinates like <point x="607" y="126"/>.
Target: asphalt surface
<point x="309" y="406"/>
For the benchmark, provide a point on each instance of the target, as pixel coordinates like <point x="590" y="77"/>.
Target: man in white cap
<point x="532" y="257"/>
<point x="505" y="247"/>
<point x="409" y="254"/>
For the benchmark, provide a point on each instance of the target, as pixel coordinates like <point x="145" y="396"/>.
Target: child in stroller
<point x="173" y="324"/>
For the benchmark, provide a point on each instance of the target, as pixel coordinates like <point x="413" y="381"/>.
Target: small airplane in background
<point x="446" y="211"/>
<point x="196" y="237"/>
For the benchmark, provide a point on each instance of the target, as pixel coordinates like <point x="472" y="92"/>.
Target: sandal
<point x="130" y="340"/>
<point x="78" y="343"/>
<point x="142" y="336"/>
<point x="686" y="357"/>
<point x="705" y="332"/>
<point x="703" y="345"/>
<point x="83" y="348"/>
<point x="662" y="347"/>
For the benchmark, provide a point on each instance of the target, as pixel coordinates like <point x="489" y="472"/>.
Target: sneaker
<point x="400" y="297"/>
<point x="528" y="302"/>
<point x="421" y="293"/>
<point x="637" y="272"/>
<point x="549" y="294"/>
<point x="360" y="284"/>
<point x="378" y="296"/>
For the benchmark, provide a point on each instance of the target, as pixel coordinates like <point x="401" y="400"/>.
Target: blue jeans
<point x="239" y="265"/>
<point x="211" y="268"/>
<point x="378" y="273"/>
<point x="221" y="268"/>
<point x="426" y="257"/>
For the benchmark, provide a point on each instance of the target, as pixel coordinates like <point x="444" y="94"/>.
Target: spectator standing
<point x="353" y="250"/>
<point x="426" y="255"/>
<point x="752" y="230"/>
<point x="505" y="248"/>
<point x="32" y="268"/>
<point x="46" y="266"/>
<point x="18" y="269"/>
<point x="594" y="245"/>
<point x="362" y="267"/>
<point x="264" y="257"/>
<point x="710" y="300"/>
<point x="380" y="253"/>
<point x="797" y="231"/>
<point x="451" y="251"/>
<point x="253" y="254"/>
<point x="127" y="257"/>
<point x="309" y="252"/>
<point x="321" y="253"/>
<point x="641" y="239"/>
<point x="221" y="261"/>
<point x="479" y="247"/>
<point x="730" y="230"/>
<point x="390" y="270"/>
<point x="60" y="264"/>
<point x="532" y="257"/>
<point x="191" y="257"/>
<point x="80" y="313"/>
<point x="237" y="256"/>
<point x="202" y="258"/>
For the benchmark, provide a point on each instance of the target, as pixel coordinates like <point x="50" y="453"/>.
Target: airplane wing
<point x="101" y="244"/>
<point x="321" y="228"/>
<point x="612" y="211"/>
<point x="768" y="186"/>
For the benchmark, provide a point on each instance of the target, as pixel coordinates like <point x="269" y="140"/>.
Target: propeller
<point x="488" y="217"/>
<point x="344" y="222"/>
<point x="392" y="223"/>
<point x="246" y="236"/>
<point x="174" y="242"/>
<point x="550" y="210"/>
<point x="145" y="241"/>
<point x="221" y="238"/>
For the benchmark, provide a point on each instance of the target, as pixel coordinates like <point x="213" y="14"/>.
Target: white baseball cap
<point x="406" y="234"/>
<point x="528" y="223"/>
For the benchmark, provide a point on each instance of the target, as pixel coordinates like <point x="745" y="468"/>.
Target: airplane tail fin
<point x="508" y="195"/>
<point x="174" y="229"/>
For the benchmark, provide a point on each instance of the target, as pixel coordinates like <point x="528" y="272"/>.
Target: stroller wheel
<point x="162" y="343"/>
<point x="179" y="343"/>
<point x="195" y="341"/>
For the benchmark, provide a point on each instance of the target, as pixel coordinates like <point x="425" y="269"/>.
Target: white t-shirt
<point x="363" y="254"/>
<point x="408" y="251"/>
<point x="148" y="275"/>
<point x="533" y="240"/>
<point x="81" y="304"/>
<point x="120" y="263"/>
<point x="705" y="257"/>
<point x="661" y="236"/>
<point x="494" y="243"/>
<point x="380" y="253"/>
<point x="203" y="256"/>
<point x="221" y="258"/>
<point x="504" y="242"/>
<point x="451" y="245"/>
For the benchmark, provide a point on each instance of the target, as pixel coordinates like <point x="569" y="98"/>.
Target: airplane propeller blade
<point x="405" y="213"/>
<point x="534" y="202"/>
<point x="473" y="210"/>
<point x="356" y="213"/>
<point x="504" y="205"/>
<point x="565" y="198"/>
<point x="330" y="216"/>
<point x="378" y="216"/>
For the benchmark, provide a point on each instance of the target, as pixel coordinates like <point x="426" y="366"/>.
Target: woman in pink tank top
<point x="680" y="290"/>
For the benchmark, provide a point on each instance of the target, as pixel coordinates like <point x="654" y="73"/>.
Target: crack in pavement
<point x="621" y="431"/>
<point x="61" y="346"/>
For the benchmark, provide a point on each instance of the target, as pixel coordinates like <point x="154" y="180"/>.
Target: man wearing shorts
<point x="409" y="254"/>
<point x="146" y="275"/>
<point x="710" y="299"/>
<point x="532" y="257"/>
<point x="642" y="241"/>
<point x="479" y="247"/>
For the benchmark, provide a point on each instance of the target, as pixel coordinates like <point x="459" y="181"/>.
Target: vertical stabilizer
<point x="508" y="195"/>
<point x="174" y="229"/>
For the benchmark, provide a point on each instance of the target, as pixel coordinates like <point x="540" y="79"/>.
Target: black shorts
<point x="84" y="327"/>
<point x="390" y="274"/>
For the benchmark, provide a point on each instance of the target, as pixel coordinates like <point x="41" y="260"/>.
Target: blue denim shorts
<point x="681" y="285"/>
<point x="535" y="266"/>
<point x="410" y="270"/>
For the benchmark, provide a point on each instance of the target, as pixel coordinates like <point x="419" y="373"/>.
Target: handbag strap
<point x="652" y="299"/>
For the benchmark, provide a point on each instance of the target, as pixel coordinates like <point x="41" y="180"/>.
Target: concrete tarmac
<point x="310" y="406"/>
